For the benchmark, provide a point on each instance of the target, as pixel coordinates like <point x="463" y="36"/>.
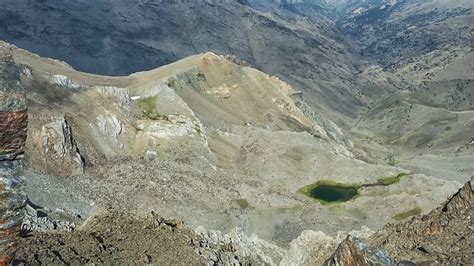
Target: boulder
<point x="57" y="146"/>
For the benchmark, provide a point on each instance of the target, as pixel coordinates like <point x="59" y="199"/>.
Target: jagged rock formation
<point x="444" y="236"/>
<point x="13" y="124"/>
<point x="13" y="116"/>
<point x="353" y="251"/>
<point x="58" y="148"/>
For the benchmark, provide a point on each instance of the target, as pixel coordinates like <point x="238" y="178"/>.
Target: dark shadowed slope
<point x="122" y="37"/>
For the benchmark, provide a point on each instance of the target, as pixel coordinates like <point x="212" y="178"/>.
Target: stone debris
<point x="238" y="248"/>
<point x="235" y="248"/>
<point x="111" y="239"/>
<point x="120" y="95"/>
<point x="38" y="220"/>
<point x="65" y="82"/>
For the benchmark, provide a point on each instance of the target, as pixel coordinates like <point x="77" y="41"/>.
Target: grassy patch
<point x="243" y="203"/>
<point x="386" y="181"/>
<point x="148" y="107"/>
<point x="404" y="215"/>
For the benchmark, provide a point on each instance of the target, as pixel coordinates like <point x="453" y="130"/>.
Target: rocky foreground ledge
<point x="13" y="124"/>
<point x="444" y="236"/>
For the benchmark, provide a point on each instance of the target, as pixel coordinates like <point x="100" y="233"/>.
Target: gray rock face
<point x="353" y="251"/>
<point x="236" y="248"/>
<point x="13" y="122"/>
<point x="58" y="147"/>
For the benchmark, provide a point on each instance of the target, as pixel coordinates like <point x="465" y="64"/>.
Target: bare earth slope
<point x="111" y="239"/>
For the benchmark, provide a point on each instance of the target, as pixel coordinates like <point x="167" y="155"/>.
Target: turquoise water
<point x="330" y="193"/>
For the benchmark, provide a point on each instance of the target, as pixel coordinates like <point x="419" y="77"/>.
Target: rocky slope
<point x="112" y="239"/>
<point x="351" y="59"/>
<point x="444" y="236"/>
<point x="417" y="40"/>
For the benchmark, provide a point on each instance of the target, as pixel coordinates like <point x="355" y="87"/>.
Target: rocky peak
<point x="353" y="251"/>
<point x="461" y="201"/>
<point x="442" y="236"/>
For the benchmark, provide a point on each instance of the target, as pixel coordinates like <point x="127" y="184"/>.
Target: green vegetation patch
<point x="386" y="181"/>
<point x="404" y="215"/>
<point x="243" y="203"/>
<point x="148" y="107"/>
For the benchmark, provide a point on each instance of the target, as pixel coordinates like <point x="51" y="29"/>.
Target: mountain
<point x="264" y="129"/>
<point x="117" y="148"/>
<point x="320" y="9"/>
<point x="204" y="135"/>
<point x="442" y="236"/>
<point x="422" y="38"/>
<point x="425" y="47"/>
<point x="122" y="37"/>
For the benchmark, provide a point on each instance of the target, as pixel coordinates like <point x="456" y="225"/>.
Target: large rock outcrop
<point x="353" y="251"/>
<point x="13" y="123"/>
<point x="58" y="148"/>
<point x="444" y="236"/>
